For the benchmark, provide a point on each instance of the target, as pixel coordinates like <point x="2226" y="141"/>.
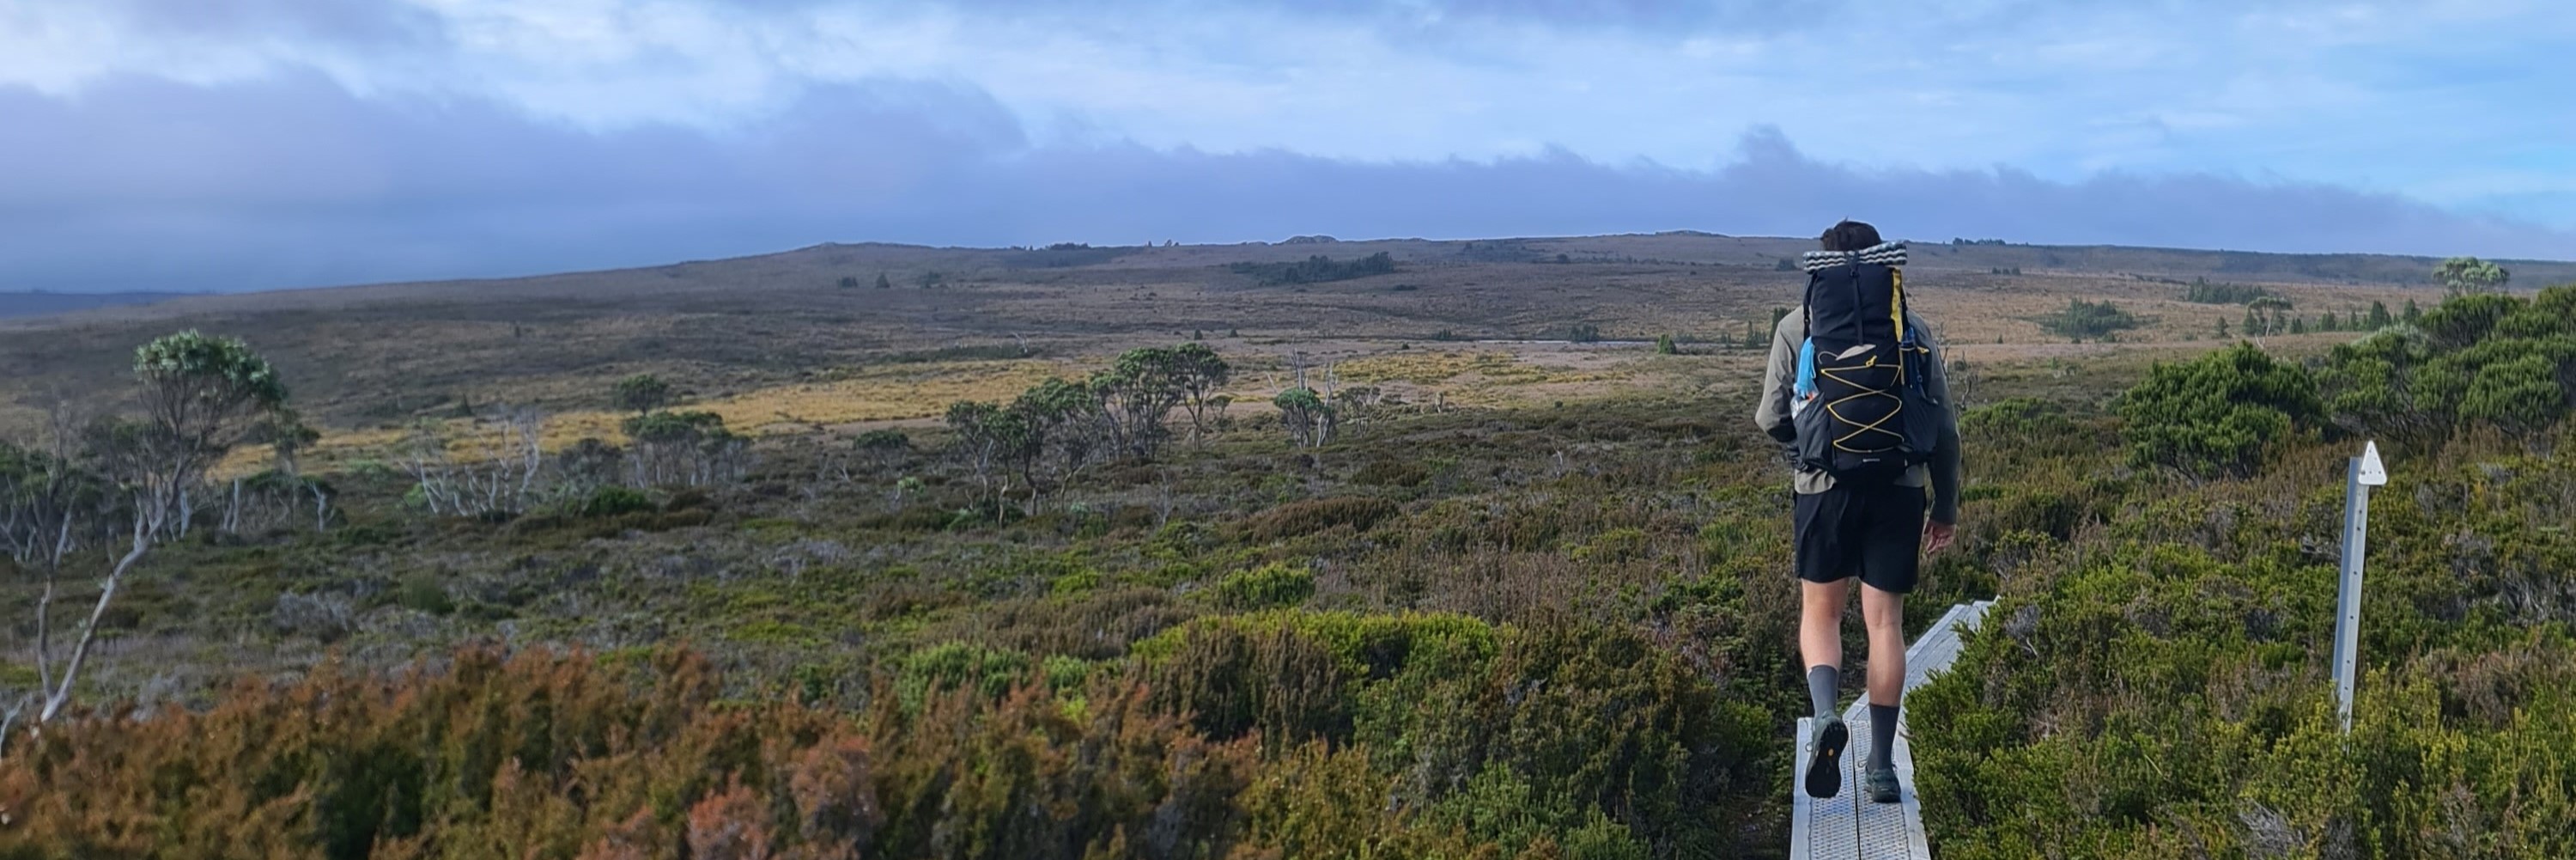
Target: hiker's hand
<point x="1937" y="536"/>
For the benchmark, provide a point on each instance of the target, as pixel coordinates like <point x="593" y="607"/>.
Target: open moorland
<point x="1469" y="550"/>
<point x="843" y="334"/>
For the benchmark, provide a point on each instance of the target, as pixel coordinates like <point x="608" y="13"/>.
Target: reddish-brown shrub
<point x="545" y="754"/>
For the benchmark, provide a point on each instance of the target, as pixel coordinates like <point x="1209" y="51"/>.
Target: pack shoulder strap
<point x="1807" y="309"/>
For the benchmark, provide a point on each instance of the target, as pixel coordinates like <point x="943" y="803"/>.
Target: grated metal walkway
<point x="1848" y="826"/>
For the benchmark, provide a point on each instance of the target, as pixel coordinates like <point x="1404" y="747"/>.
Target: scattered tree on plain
<point x="2470" y="276"/>
<point x="2268" y="315"/>
<point x="1200" y="372"/>
<point x="1309" y="419"/>
<point x="1139" y="392"/>
<point x="643" y="393"/>
<point x="489" y="469"/>
<point x="686" y="448"/>
<point x="987" y="440"/>
<point x="1049" y="433"/>
<point x="201" y="395"/>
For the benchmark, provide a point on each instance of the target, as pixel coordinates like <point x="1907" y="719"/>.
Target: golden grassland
<point x="855" y="396"/>
<point x="1498" y="375"/>
<point x="1487" y="376"/>
<point x="1484" y="376"/>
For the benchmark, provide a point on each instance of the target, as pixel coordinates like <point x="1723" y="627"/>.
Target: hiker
<point x="1855" y="389"/>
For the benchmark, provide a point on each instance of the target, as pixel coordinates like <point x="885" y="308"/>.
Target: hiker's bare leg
<point x="1820" y="641"/>
<point x="1820" y="625"/>
<point x="1884" y="613"/>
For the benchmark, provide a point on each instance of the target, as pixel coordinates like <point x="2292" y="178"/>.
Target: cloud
<point x="371" y="23"/>
<point x="2394" y="95"/>
<point x="293" y="181"/>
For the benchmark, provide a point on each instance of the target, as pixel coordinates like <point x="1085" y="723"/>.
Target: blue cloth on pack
<point x="1806" y="387"/>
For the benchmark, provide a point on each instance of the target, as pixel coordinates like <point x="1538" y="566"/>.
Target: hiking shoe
<point x="1825" y="764"/>
<point x="1882" y="785"/>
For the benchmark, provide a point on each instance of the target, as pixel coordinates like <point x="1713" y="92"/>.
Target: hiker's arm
<point x="1945" y="446"/>
<point x="1771" y="413"/>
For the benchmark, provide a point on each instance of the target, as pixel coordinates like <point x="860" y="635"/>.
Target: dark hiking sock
<point x="1882" y="735"/>
<point x="1822" y="682"/>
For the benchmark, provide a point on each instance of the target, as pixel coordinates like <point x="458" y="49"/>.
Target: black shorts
<point x="1873" y="532"/>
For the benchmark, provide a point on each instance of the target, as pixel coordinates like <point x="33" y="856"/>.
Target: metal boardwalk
<point x="1848" y="826"/>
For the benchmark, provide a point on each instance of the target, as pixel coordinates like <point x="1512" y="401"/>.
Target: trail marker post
<point x="2360" y="474"/>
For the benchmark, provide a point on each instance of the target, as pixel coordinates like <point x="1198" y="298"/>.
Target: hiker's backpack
<point x="1861" y="410"/>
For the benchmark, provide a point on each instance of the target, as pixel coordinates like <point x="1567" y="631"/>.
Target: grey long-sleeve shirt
<point x="1780" y="381"/>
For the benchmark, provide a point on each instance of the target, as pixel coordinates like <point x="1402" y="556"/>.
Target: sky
<point x="255" y="144"/>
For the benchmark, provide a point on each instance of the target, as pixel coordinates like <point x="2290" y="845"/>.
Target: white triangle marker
<point x="2372" y="473"/>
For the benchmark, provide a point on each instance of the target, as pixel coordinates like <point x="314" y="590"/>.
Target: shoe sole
<point x="1825" y="768"/>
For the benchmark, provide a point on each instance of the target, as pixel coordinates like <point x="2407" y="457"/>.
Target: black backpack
<point x="1861" y="411"/>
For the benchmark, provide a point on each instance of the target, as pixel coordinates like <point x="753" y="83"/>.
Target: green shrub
<point x="885" y="440"/>
<point x="1278" y="584"/>
<point x="1313" y="801"/>
<point x="2374" y="387"/>
<point x="1067" y="674"/>
<point x="950" y="666"/>
<point x="664" y="427"/>
<point x="1314" y="515"/>
<point x="2052" y="513"/>
<point x="426" y="593"/>
<point x="1615" y="545"/>
<point x="642" y="393"/>
<point x="2083" y="319"/>
<point x="2203" y="292"/>
<point x="775" y="632"/>
<point x="614" y="501"/>
<point x="2479" y="359"/>
<point x="2520" y="396"/>
<point x="1391" y="473"/>
<point x="1078" y="582"/>
<point x="1369" y="645"/>
<point x="2217" y="414"/>
<point x="1316" y="269"/>
<point x="2022" y="426"/>
<point x="1598" y="720"/>
<point x="1235" y="679"/>
<point x="2464" y="320"/>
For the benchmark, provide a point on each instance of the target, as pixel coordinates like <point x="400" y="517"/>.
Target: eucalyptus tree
<point x="642" y="393"/>
<point x="200" y="395"/>
<point x="988" y="439"/>
<point x="1309" y="419"/>
<point x="1201" y="373"/>
<point x="1139" y="392"/>
<point x="2470" y="276"/>
<point x="2273" y="312"/>
<point x="1065" y="419"/>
